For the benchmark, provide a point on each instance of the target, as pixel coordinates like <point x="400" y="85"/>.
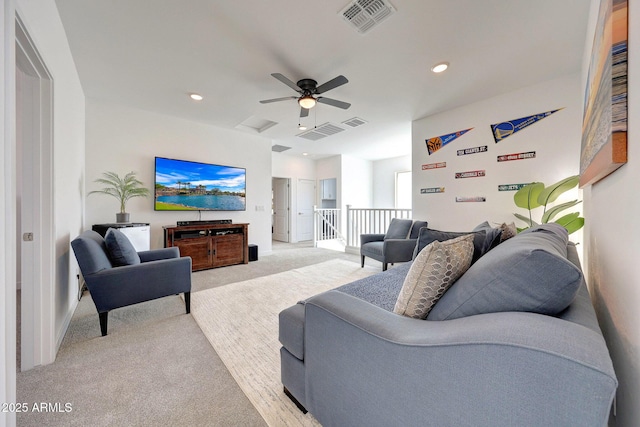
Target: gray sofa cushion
<point x="415" y="228"/>
<point x="398" y="229"/>
<point x="510" y="278"/>
<point x="434" y="270"/>
<point x="121" y="251"/>
<point x="428" y="236"/>
<point x="381" y="289"/>
<point x="493" y="237"/>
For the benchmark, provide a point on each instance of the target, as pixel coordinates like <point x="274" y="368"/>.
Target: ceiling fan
<point x="307" y="88"/>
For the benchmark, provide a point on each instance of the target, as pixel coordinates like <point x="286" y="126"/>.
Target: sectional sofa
<point x="514" y="341"/>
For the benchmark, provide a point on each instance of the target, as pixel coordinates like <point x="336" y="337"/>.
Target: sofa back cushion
<point x="398" y="229"/>
<point x="529" y="272"/>
<point x="428" y="236"/>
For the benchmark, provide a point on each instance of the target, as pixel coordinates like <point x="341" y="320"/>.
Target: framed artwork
<point x="604" y="126"/>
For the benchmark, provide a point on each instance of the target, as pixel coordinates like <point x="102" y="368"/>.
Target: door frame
<point x="38" y="341"/>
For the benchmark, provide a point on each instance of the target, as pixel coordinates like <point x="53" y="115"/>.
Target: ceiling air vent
<point x="363" y="15"/>
<point x="321" y="131"/>
<point x="279" y="148"/>
<point x="354" y="122"/>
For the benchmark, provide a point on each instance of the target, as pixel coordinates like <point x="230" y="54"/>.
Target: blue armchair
<point x="158" y="273"/>
<point x="396" y="245"/>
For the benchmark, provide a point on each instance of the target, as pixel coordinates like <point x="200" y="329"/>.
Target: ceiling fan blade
<point x="333" y="102"/>
<point x="332" y="84"/>
<point x="286" y="81"/>
<point x="303" y="112"/>
<point x="267" y="101"/>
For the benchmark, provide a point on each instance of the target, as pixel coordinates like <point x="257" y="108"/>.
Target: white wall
<point x="121" y="140"/>
<point x="294" y="168"/>
<point x="555" y="139"/>
<point x="384" y="179"/>
<point x="612" y="244"/>
<point x="356" y="187"/>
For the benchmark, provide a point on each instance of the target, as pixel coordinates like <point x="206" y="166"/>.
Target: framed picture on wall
<point x="604" y="127"/>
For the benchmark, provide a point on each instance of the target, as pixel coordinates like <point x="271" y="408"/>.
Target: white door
<point x="306" y="200"/>
<point x="280" y="209"/>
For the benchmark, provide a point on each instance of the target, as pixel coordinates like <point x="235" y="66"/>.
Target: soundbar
<point x="204" y="222"/>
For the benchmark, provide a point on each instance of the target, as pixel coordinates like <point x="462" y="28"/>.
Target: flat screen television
<point x="182" y="185"/>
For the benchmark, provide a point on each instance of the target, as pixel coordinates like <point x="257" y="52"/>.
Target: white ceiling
<point x="151" y="54"/>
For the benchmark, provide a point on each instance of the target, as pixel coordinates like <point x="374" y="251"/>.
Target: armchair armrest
<point x="366" y="238"/>
<point x="490" y="369"/>
<point x="157" y="254"/>
<point x="398" y="250"/>
<point x="131" y="284"/>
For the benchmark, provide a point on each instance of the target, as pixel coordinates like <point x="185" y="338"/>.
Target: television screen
<point x="182" y="185"/>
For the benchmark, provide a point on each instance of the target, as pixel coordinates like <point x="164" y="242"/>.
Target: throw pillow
<point x="428" y="236"/>
<point x="434" y="270"/>
<point x="493" y="237"/>
<point x="508" y="231"/>
<point x="121" y="251"/>
<point x="529" y="272"/>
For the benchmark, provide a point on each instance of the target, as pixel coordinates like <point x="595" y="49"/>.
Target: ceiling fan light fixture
<point x="439" y="68"/>
<point x="307" y="102"/>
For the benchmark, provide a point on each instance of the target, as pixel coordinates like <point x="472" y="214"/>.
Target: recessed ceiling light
<point x="302" y="127"/>
<point x="438" y="68"/>
<point x="305" y="154"/>
<point x="196" y="96"/>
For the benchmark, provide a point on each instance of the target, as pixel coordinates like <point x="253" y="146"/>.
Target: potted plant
<point x="122" y="189"/>
<point x="536" y="195"/>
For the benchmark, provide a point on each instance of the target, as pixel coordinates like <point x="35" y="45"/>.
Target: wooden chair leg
<point x="384" y="266"/>
<point x="362" y="261"/>
<point x="104" y="317"/>
<point x="294" y="400"/>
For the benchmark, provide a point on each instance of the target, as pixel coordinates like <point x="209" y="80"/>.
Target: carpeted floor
<point x="156" y="367"/>
<point x="241" y="322"/>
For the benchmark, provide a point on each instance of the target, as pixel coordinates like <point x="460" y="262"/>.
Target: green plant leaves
<point x="572" y="222"/>
<point x="527" y="196"/>
<point x="534" y="195"/>
<point x="552" y="192"/>
<point x="552" y="212"/>
<point x="121" y="188"/>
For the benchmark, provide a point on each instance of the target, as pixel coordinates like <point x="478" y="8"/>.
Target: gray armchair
<point x="159" y="273"/>
<point x="396" y="245"/>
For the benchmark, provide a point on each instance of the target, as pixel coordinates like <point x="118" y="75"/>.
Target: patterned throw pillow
<point x="508" y="231"/>
<point x="433" y="271"/>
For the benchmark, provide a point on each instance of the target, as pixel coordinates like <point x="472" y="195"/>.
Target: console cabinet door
<point x="228" y="249"/>
<point x="199" y="249"/>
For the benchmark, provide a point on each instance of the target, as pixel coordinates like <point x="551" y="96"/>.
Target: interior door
<point x="306" y="199"/>
<point x="281" y="209"/>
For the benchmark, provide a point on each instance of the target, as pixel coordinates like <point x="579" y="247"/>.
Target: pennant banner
<point x="506" y="129"/>
<point x="436" y="143"/>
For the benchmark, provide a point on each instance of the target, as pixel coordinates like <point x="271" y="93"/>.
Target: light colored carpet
<point x="241" y="323"/>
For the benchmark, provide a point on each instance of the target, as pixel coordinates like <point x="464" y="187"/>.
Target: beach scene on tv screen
<point x="182" y="185"/>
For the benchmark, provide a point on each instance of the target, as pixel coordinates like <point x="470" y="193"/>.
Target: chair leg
<point x="384" y="266"/>
<point x="187" y="301"/>
<point x="362" y="261"/>
<point x="294" y="400"/>
<point x="104" y="317"/>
